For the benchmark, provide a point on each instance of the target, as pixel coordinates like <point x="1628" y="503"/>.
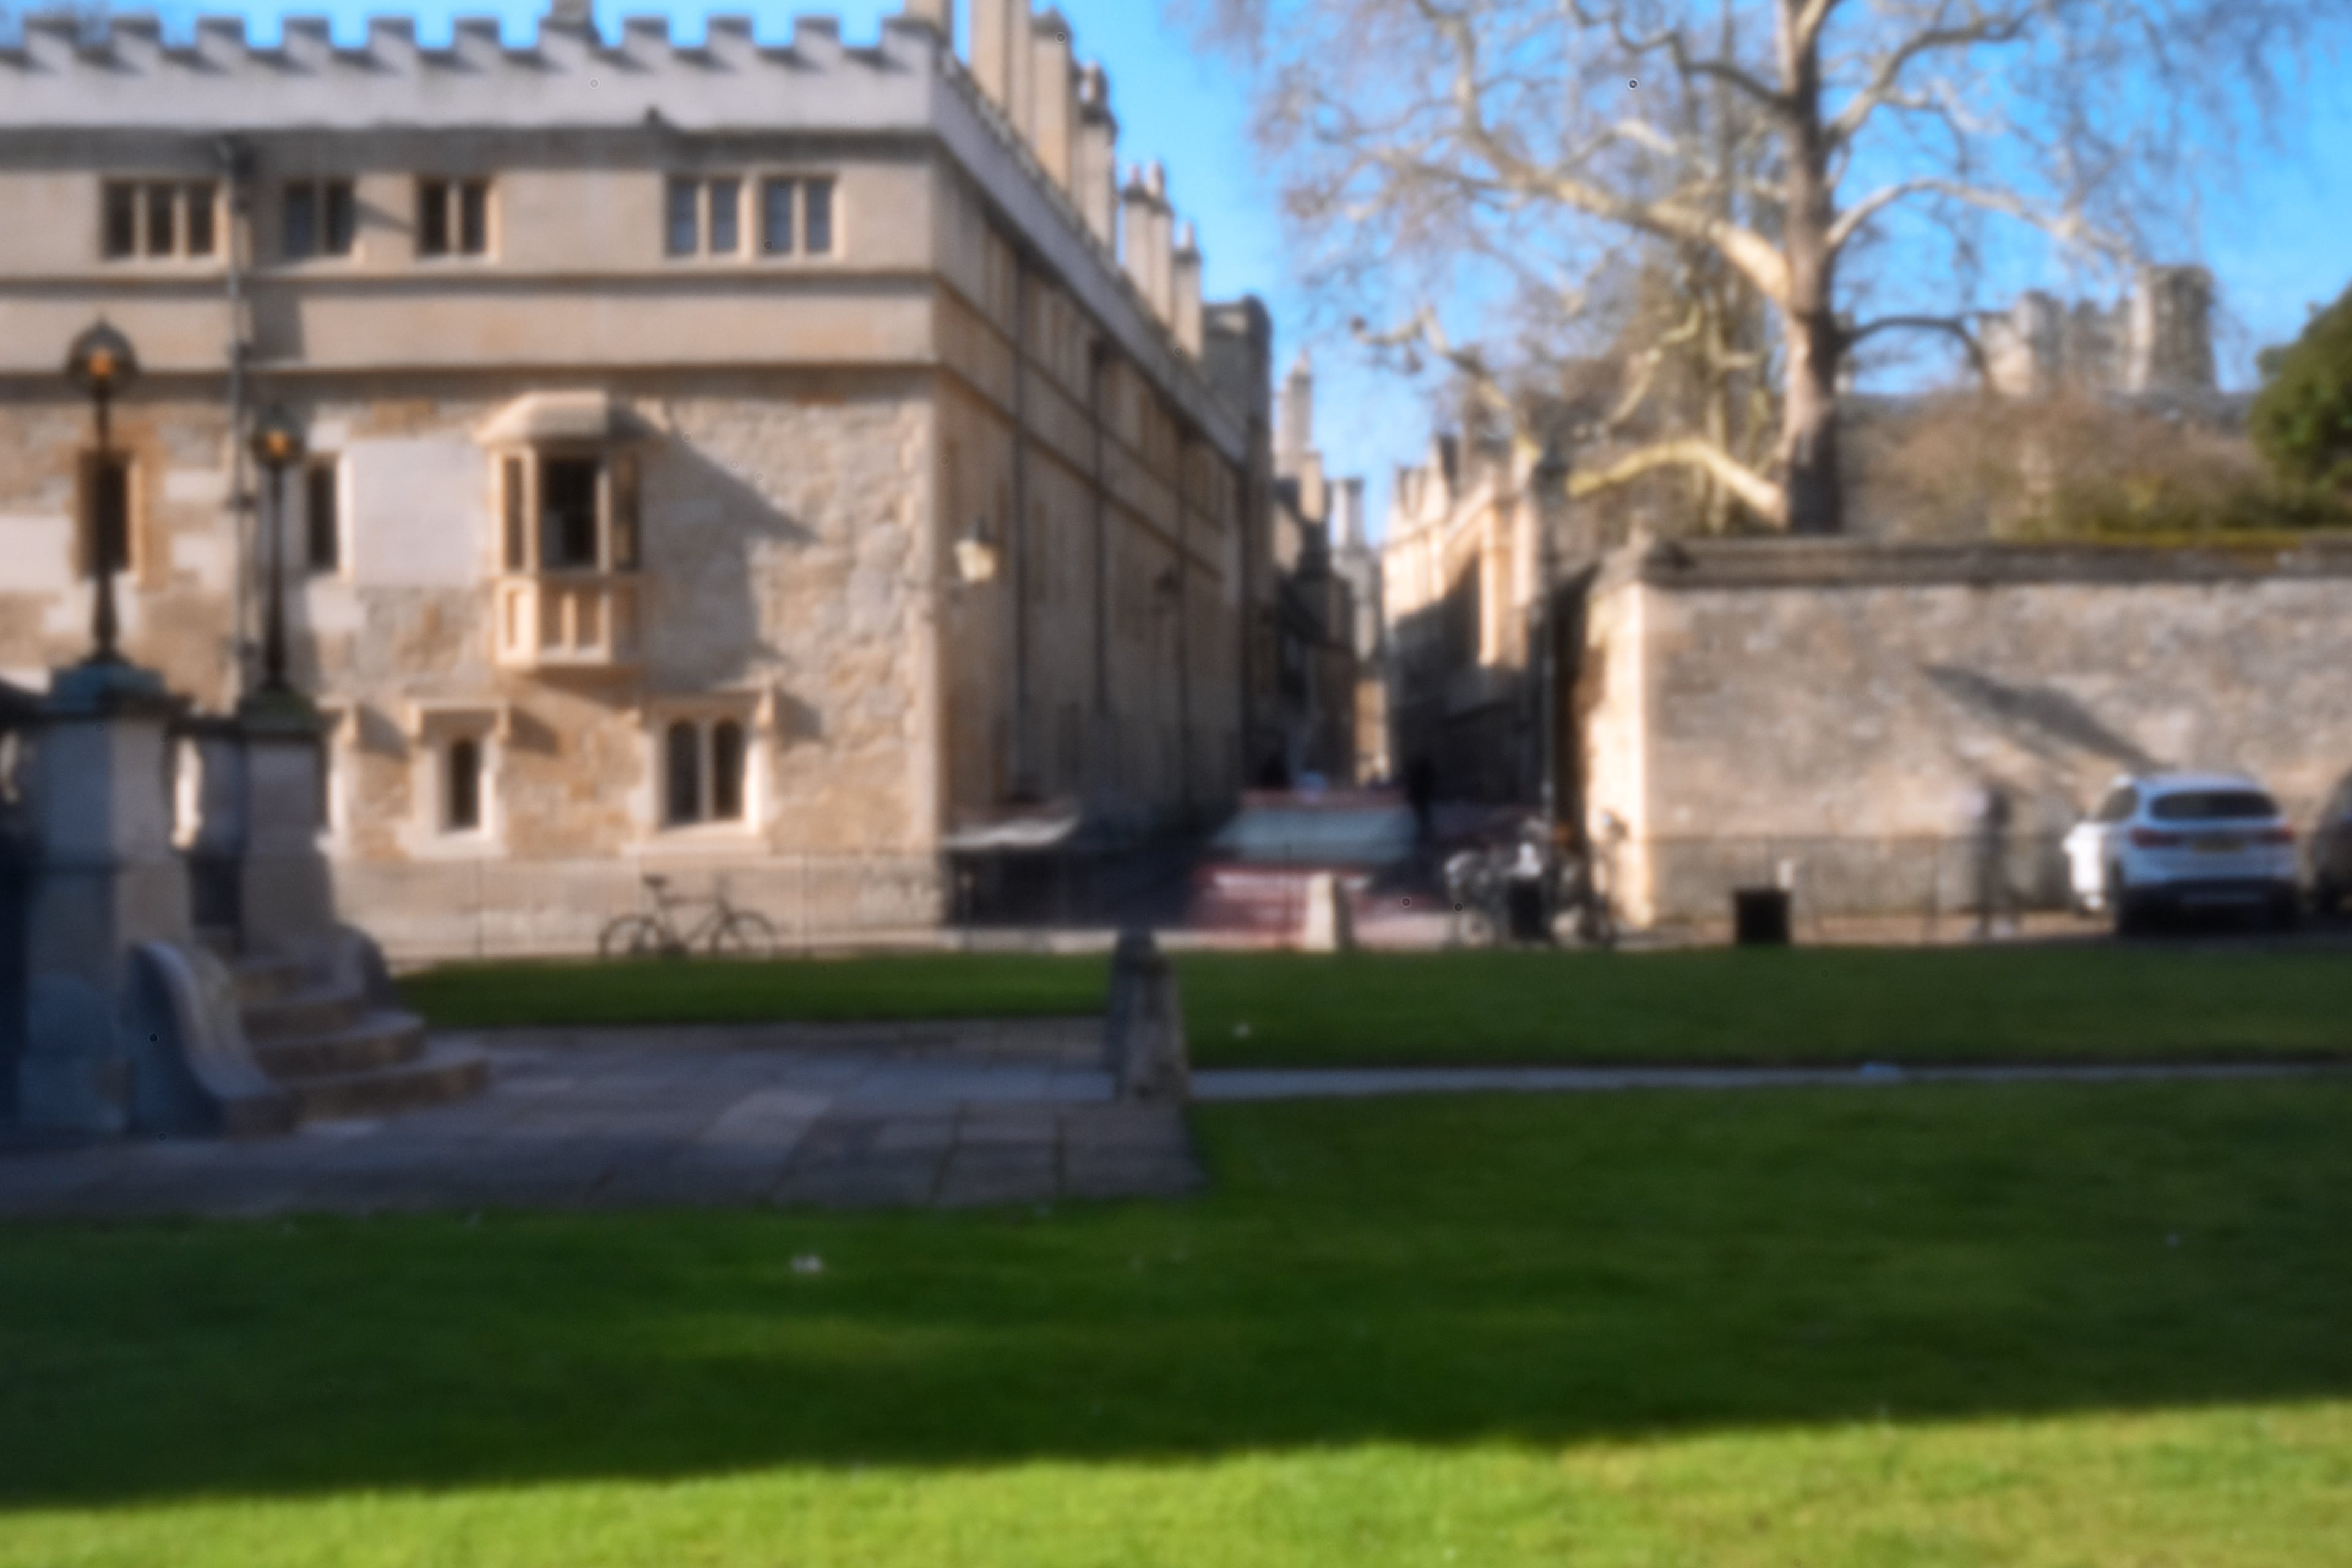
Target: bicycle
<point x="728" y="931"/>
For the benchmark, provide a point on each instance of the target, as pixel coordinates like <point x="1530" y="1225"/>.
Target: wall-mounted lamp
<point x="975" y="557"/>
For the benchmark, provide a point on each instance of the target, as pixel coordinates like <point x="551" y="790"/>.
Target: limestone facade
<point x="751" y="460"/>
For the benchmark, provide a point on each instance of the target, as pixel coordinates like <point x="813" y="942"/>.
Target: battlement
<point x="66" y="73"/>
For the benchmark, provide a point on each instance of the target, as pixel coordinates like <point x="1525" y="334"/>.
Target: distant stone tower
<point x="2171" y="334"/>
<point x="1295" y="435"/>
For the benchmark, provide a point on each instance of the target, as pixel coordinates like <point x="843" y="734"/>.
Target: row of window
<point x="705" y="773"/>
<point x="587" y="510"/>
<point x="704" y="216"/>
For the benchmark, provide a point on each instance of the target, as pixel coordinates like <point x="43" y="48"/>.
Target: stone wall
<point x="1832" y="711"/>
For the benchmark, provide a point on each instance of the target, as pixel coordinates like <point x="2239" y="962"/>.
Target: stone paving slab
<point x="854" y="1116"/>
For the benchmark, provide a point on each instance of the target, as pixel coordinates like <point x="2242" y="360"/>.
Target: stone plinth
<point x="286" y="901"/>
<point x="103" y="877"/>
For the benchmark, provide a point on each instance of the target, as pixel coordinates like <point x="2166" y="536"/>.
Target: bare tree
<point x="1844" y="165"/>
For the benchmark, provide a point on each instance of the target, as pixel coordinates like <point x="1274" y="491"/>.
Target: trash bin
<point x="1759" y="917"/>
<point x="1524" y="900"/>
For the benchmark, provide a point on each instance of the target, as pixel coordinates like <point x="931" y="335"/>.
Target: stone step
<point x="303" y="1015"/>
<point x="267" y="979"/>
<point x="368" y="1040"/>
<point x="443" y="1073"/>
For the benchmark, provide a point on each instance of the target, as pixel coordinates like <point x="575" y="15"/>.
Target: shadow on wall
<point x="2045" y="721"/>
<point x="702" y="525"/>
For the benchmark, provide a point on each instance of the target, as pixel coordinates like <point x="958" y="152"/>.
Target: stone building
<point x="1315" y="656"/>
<point x="750" y="459"/>
<point x="2157" y="343"/>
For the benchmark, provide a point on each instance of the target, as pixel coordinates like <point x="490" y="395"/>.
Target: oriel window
<point x="567" y="502"/>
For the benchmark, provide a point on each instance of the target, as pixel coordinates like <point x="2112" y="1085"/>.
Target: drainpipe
<point x="1098" y="366"/>
<point x="1024" y="773"/>
<point x="237" y="165"/>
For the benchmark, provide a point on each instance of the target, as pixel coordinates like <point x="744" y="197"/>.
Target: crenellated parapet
<point x="64" y="73"/>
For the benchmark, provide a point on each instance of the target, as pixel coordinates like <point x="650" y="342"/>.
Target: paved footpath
<point x="1348" y="1083"/>
<point x="847" y="1116"/>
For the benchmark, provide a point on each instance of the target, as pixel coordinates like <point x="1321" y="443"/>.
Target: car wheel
<point x="2286" y="910"/>
<point x="2326" y="898"/>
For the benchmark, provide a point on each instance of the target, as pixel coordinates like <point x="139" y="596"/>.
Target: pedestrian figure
<point x="1420" y="794"/>
<point x="1992" y="859"/>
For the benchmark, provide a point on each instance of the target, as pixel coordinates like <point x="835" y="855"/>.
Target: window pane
<point x="464" y="794"/>
<point x="726" y="216"/>
<point x="200" y="198"/>
<point x="2214" y="805"/>
<point x="624" y="513"/>
<point x="776" y="216"/>
<point x="162" y="202"/>
<point x="726" y="771"/>
<point x="683" y="789"/>
<point x="474" y="217"/>
<point x="432" y="217"/>
<point x="685" y="223"/>
<point x="820" y="217"/>
<point x="326" y="534"/>
<point x="119" y="226"/>
<point x="107" y="502"/>
<point x="511" y="482"/>
<point x="341" y="217"/>
<point x="301" y="236"/>
<point x="567" y="510"/>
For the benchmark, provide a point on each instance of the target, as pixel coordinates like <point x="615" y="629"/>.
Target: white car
<point x="2181" y="842"/>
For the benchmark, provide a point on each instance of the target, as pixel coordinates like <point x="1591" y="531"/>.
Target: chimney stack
<point x="1053" y="118"/>
<point x="940" y="14"/>
<point x="992" y="38"/>
<point x="1144" y="241"/>
<point x="1295" y="430"/>
<point x="1185" y="291"/>
<point x="1096" y="171"/>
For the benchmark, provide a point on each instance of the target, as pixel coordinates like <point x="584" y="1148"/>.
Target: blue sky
<point x="2278" y="240"/>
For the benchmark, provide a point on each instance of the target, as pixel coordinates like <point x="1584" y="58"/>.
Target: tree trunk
<point x="1809" y="429"/>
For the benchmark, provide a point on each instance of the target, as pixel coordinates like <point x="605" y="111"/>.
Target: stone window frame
<point x="435" y="726"/>
<point x="518" y="475"/>
<point x="451" y="196"/>
<point x="751" y="210"/>
<point x="185" y="196"/>
<point x="322" y="191"/>
<point x="801" y="179"/>
<point x="754" y="712"/>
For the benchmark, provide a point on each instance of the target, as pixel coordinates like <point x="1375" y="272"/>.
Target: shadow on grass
<point x="1434" y="1272"/>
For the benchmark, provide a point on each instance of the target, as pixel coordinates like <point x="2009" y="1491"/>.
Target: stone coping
<point x="1853" y="563"/>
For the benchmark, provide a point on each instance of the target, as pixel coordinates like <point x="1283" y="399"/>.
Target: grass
<point x="1817" y="1004"/>
<point x="708" y="991"/>
<point x="2035" y="1325"/>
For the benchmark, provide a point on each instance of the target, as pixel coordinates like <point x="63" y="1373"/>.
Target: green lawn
<point x="709" y="991"/>
<point x="1819" y="1005"/>
<point x="2037" y="1325"/>
<point x="2091" y="1003"/>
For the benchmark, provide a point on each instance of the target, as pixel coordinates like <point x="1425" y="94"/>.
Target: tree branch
<point x="1954" y="326"/>
<point x="1761" y="495"/>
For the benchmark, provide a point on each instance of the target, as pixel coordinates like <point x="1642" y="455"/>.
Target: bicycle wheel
<point x="743" y="933"/>
<point x="632" y="936"/>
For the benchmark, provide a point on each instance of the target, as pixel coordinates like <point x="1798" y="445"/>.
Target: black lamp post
<point x="276" y="444"/>
<point x="101" y="363"/>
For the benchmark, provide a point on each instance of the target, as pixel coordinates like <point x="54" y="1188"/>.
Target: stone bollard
<point x="285" y="895"/>
<point x="1145" y="1031"/>
<point x="1329" y="927"/>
